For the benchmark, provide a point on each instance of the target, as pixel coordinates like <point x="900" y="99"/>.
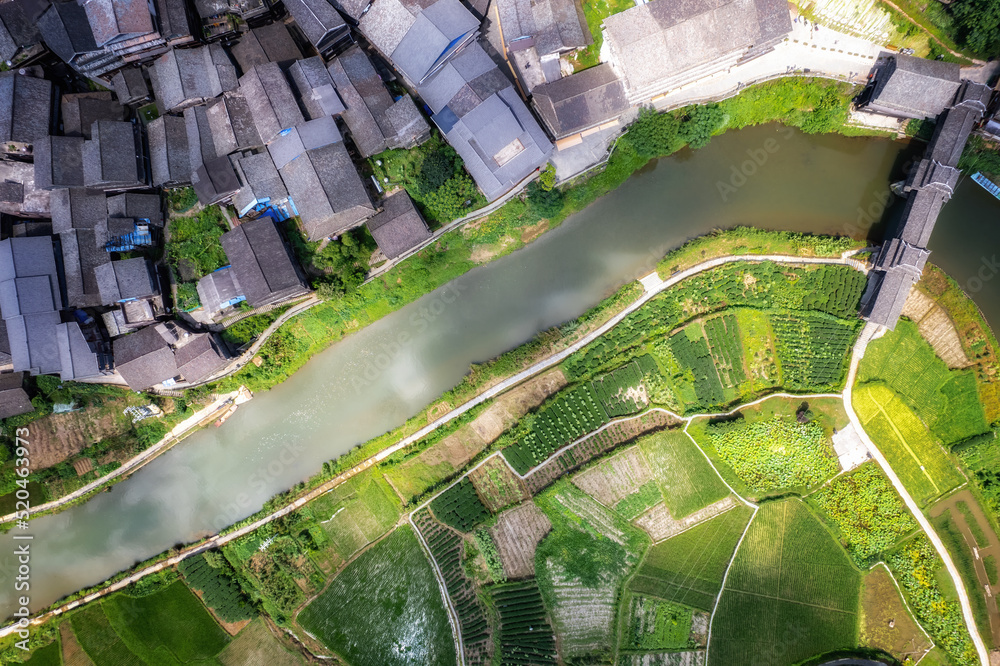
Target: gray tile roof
<point x="353" y="8"/>
<point x="654" y="43"/>
<point x="114" y="20"/>
<point x="200" y="357"/>
<point x="76" y="359"/>
<point x="911" y="87"/>
<point x="892" y="290"/>
<point x="365" y="131"/>
<point x="144" y="358"/>
<point x="200" y="139"/>
<point x="170" y="161"/>
<point x="260" y="182"/>
<point x="215" y="181"/>
<point x="173" y="19"/>
<point x="18" y="28"/>
<point x="19" y="181"/>
<point x="272" y="103"/>
<point x="263" y="263"/>
<point x="919" y="216"/>
<point x="112" y="158"/>
<point x="13" y="398"/>
<point x="130" y="85"/>
<point x="29" y="298"/>
<point x="218" y="287"/>
<point x="327" y="191"/>
<point x="439" y="32"/>
<point x="59" y="162"/>
<point x="137" y="206"/>
<point x="499" y="141"/>
<point x="294" y="142"/>
<point x="951" y="133"/>
<point x="183" y="77"/>
<point x="580" y="101"/>
<point x="315" y="88"/>
<point x="929" y="174"/>
<point x="77" y="208"/>
<point x="125" y="280"/>
<point x="399" y="227"/>
<point x="409" y="126"/>
<point x="81" y="110"/>
<point x="66" y="31"/>
<point x="33" y="343"/>
<point x="82" y="253"/>
<point x="318" y="19"/>
<point x="386" y="23"/>
<point x="230" y="114"/>
<point x="25" y="104"/>
<point x="555" y="25"/>
<point x="268" y="43"/>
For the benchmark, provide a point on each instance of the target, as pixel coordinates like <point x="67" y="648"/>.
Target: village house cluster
<point x="272" y="108"/>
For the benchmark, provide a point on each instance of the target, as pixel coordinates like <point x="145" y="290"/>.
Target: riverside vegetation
<point x="813" y="105"/>
<point x="687" y="355"/>
<point x="627" y="548"/>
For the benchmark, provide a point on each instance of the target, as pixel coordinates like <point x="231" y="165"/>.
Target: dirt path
<point x="993" y="548"/>
<point x="928" y="33"/>
<point x="867" y="335"/>
<point x="545" y="364"/>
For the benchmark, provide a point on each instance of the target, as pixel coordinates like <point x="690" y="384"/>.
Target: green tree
<point x="545" y="203"/>
<point x="979" y="25"/>
<point x="653" y="134"/>
<point x="700" y="124"/>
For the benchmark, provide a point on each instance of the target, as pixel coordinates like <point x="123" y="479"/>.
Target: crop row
<point x="694" y="356"/>
<point x="567" y="417"/>
<point x="812" y="348"/>
<point x="460" y="506"/>
<point x="727" y="347"/>
<point x="447" y="548"/>
<point x="613" y="390"/>
<point x="525" y="634"/>
<point x="220" y="591"/>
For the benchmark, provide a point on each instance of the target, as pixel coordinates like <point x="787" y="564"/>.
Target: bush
<point x="545" y="203"/>
<point x="653" y="134"/>
<point x="700" y="123"/>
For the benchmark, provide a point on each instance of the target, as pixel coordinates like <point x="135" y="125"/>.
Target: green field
<point x="685" y="477"/>
<point x="581" y="566"/>
<point x="922" y="465"/>
<point x="867" y="511"/>
<point x="946" y="400"/>
<point x="689" y="567"/>
<point x="654" y="624"/>
<point x="49" y="655"/>
<point x="961" y="554"/>
<point x="356" y="513"/>
<point x="256" y="646"/>
<point x="98" y="638"/>
<point x="168" y="627"/>
<point x="384" y="609"/>
<point x="792" y="592"/>
<point x="774" y="454"/>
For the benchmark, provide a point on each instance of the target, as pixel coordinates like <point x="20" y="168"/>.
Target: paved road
<point x="867" y="334"/>
<point x="541" y="366"/>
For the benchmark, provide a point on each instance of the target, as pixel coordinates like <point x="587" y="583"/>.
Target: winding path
<point x="867" y="335"/>
<point x="652" y="288"/>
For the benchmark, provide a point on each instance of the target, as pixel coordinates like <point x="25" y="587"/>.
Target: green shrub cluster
<point x="220" y="590"/>
<point x="525" y="635"/>
<point x="774" y="454"/>
<point x="915" y="566"/>
<point x="193" y="250"/>
<point x="866" y="509"/>
<point x="460" y="506"/>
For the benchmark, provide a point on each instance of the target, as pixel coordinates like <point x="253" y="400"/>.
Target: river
<point x="370" y="382"/>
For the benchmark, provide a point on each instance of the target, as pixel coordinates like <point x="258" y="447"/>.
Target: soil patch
<point x="937" y="328"/>
<point x="885" y="622"/>
<point x="498" y="485"/>
<point x="72" y="652"/>
<point x="56" y="437"/>
<point x="534" y="231"/>
<point x="515" y="403"/>
<point x="517" y="533"/>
